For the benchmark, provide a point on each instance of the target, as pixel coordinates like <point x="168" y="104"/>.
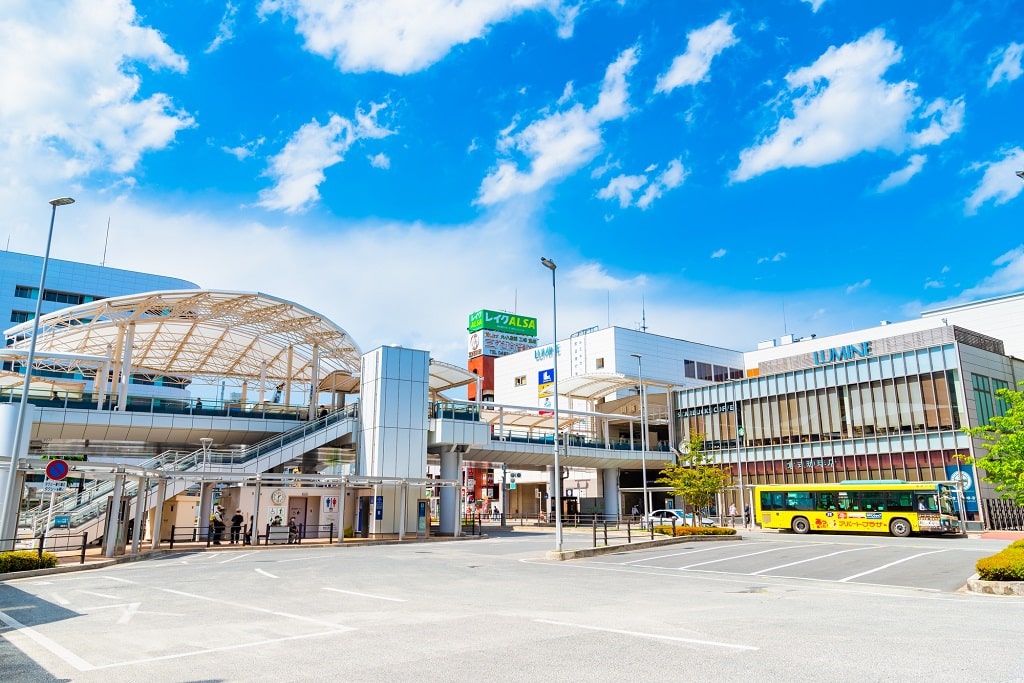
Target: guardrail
<point x="58" y="544"/>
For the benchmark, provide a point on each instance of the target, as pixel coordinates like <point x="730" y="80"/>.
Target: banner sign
<point x="498" y="344"/>
<point x="502" y="322"/>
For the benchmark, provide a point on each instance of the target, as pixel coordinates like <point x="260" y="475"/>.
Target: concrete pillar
<point x="610" y="485"/>
<point x="205" y="507"/>
<point x="99" y="385"/>
<point x="142" y="487"/>
<point x="340" y="522"/>
<point x="448" y="512"/>
<point x="126" y="368"/>
<point x="314" y="373"/>
<point x="10" y="487"/>
<point x="113" y="522"/>
<point x="552" y="487"/>
<point x="254" y="519"/>
<point x="158" y="516"/>
<point x="402" y="511"/>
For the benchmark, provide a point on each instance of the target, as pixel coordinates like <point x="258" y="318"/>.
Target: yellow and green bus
<point x="884" y="506"/>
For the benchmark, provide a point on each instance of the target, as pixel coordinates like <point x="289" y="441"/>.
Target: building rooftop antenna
<point x="643" y="314"/>
<point x="105" y="241"/>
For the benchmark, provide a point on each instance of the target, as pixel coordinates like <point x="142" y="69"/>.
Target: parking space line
<point x="234" y="557"/>
<point x="266" y="573"/>
<point x="661" y="557"/>
<point x="364" y="595"/>
<point x="812" y="559"/>
<point x="736" y="557"/>
<point x="655" y="636"/>
<point x="225" y="648"/>
<point x="69" y="657"/>
<point x="297" y="617"/>
<point x="891" y="564"/>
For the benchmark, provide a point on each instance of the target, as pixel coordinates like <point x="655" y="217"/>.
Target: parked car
<point x="681" y="519"/>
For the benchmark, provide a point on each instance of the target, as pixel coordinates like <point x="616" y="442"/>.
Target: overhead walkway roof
<point x="201" y="333"/>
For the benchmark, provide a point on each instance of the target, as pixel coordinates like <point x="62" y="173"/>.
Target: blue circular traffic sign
<point x="57" y="470"/>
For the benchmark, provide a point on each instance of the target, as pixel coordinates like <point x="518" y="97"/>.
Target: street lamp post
<point x="8" y="501"/>
<point x="644" y="429"/>
<point x="739" y="465"/>
<point x="550" y="265"/>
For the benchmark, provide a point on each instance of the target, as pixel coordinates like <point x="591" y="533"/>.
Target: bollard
<point x="629" y="535"/>
<point x="673" y="527"/>
<point x="171" y="544"/>
<point x="595" y="532"/>
<point x="606" y="533"/>
<point x="42" y="541"/>
<point x="85" y="541"/>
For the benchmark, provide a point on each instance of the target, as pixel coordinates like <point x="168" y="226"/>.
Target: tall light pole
<point x="8" y="501"/>
<point x="550" y="265"/>
<point x="643" y="428"/>
<point x="739" y="464"/>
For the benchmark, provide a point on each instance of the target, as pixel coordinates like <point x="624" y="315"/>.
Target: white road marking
<point x="260" y="571"/>
<point x="299" y="559"/>
<point x="886" y="566"/>
<point x="100" y="595"/>
<point x="233" y="558"/>
<point x="225" y="648"/>
<point x="655" y="636"/>
<point x="286" y="615"/>
<point x="736" y="557"/>
<point x="812" y="559"/>
<point x="130" y="610"/>
<point x="69" y="657"/>
<point x="364" y="595"/>
<point x="59" y="599"/>
<point x="691" y="552"/>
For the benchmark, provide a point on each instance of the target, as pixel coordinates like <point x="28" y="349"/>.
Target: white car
<point x="665" y="517"/>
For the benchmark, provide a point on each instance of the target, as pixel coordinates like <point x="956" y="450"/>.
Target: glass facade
<point x="891" y="416"/>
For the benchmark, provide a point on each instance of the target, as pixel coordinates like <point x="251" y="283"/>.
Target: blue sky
<point x="727" y="171"/>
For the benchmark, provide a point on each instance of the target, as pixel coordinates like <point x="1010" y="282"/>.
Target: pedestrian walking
<point x="732" y="514"/>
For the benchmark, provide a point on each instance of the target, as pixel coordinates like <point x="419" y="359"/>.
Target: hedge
<point x="695" y="530"/>
<point x="24" y="560"/>
<point x="1006" y="565"/>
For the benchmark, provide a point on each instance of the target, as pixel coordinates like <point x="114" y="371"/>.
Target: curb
<point x="976" y="585"/>
<point x="638" y="545"/>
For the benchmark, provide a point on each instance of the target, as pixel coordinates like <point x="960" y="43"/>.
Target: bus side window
<point x="826" y="500"/>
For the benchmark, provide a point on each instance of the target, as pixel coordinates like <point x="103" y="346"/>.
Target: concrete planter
<point x="976" y="585"/>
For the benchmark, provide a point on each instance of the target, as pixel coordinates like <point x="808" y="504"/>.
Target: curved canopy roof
<point x="201" y="333"/>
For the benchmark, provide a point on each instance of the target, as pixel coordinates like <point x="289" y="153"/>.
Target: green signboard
<point x="503" y="322"/>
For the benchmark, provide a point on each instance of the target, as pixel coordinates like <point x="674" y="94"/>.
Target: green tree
<point x="696" y="479"/>
<point x="1003" y="441"/>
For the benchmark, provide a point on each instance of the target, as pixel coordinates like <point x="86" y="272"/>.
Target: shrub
<point x="694" y="530"/>
<point x="1006" y="565"/>
<point x="24" y="560"/>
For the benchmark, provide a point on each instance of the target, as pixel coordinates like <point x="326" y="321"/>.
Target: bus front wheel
<point x="899" y="527"/>
<point x="801" y="525"/>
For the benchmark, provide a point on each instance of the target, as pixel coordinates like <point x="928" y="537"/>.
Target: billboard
<point x="497" y="321"/>
<point x="497" y="344"/>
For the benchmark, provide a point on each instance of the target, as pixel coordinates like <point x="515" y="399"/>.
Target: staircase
<point x="87" y="508"/>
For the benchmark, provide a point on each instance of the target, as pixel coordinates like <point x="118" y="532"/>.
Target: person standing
<point x="236" y="526"/>
<point x="217" y="524"/>
<point x="732" y="514"/>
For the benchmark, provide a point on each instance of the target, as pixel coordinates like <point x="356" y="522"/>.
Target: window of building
<point x="23" y="292"/>
<point x="982" y="398"/>
<point x="1000" y="404"/>
<point x="521" y="381"/>
<point x="690" y="369"/>
<point x="735" y="373"/>
<point x="600" y="363"/>
<point x="68" y="298"/>
<point x="704" y="371"/>
<point x="21" y="316"/>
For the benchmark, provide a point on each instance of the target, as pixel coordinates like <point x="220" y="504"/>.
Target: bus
<point x="884" y="506"/>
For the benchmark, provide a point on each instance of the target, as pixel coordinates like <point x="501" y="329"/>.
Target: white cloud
<point x="298" y="169"/>
<point x="567" y="94"/>
<point x="702" y="46"/>
<point x="999" y="183"/>
<point x="718" y="253"/>
<point x="246" y="150"/>
<point x="226" y="28"/>
<point x="903" y="175"/>
<point x="933" y="284"/>
<point x="1009" y="67"/>
<point x="815" y="4"/>
<point x="1008" y="277"/>
<point x="380" y="160"/>
<point x="595" y="276"/>
<point x="402" y="36"/>
<point x="857" y="285"/>
<point x="842" y="105"/>
<point x="560" y="143"/>
<point x="71" y="101"/>
<point x="773" y="259"/>
<point x="622" y="187"/>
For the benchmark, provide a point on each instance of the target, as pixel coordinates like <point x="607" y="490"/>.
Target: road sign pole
<point x="49" y="512"/>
